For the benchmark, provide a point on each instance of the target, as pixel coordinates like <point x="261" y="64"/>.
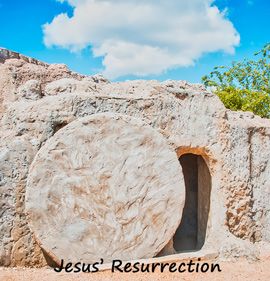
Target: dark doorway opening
<point x="191" y="232"/>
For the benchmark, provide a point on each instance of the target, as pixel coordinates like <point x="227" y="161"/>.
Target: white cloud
<point x="143" y="37"/>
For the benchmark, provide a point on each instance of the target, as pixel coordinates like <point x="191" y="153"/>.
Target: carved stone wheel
<point x="105" y="186"/>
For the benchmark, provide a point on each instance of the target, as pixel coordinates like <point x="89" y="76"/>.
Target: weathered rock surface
<point x="235" y="146"/>
<point x="31" y="90"/>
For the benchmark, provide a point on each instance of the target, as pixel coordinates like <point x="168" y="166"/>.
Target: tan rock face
<point x="103" y="187"/>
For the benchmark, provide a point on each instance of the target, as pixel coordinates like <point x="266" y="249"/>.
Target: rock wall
<point x="37" y="100"/>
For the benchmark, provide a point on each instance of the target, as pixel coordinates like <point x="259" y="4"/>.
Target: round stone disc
<point x="105" y="186"/>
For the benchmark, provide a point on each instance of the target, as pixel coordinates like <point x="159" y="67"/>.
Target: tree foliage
<point x="244" y="85"/>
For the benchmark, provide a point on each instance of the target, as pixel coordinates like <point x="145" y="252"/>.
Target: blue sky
<point x="22" y="30"/>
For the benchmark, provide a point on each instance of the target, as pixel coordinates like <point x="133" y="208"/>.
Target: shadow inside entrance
<point x="191" y="232"/>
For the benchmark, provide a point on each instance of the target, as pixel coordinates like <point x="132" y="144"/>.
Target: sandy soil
<point x="241" y="270"/>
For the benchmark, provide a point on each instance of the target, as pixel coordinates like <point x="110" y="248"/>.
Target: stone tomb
<point x="92" y="169"/>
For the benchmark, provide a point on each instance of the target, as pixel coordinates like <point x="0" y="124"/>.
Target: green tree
<point x="244" y="85"/>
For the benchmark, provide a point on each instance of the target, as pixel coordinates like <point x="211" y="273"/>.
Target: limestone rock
<point x="71" y="85"/>
<point x="103" y="187"/>
<point x="30" y="90"/>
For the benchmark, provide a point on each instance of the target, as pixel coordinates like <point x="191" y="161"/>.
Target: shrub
<point x="244" y="85"/>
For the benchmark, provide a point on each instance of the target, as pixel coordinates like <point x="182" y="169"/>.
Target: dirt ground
<point x="240" y="270"/>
